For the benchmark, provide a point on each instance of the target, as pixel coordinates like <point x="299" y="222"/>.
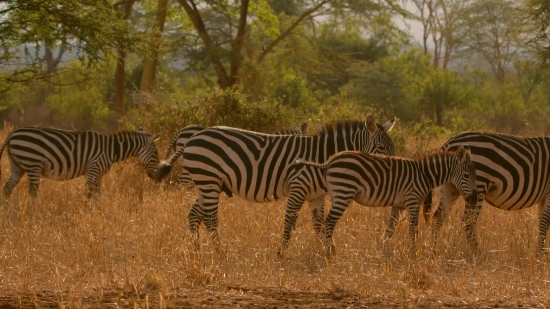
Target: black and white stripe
<point x="64" y="155"/>
<point x="256" y="166"/>
<point x="513" y="173"/>
<point x="182" y="136"/>
<point x="378" y="181"/>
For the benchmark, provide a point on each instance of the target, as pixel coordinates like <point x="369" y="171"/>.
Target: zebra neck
<point x="436" y="169"/>
<point x="122" y="146"/>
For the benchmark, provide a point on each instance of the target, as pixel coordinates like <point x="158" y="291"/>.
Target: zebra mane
<point x="438" y="154"/>
<point x="126" y="132"/>
<point x="331" y="128"/>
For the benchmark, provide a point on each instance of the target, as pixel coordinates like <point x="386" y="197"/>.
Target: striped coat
<point x="379" y="181"/>
<point x="64" y="155"/>
<point x="513" y="173"/>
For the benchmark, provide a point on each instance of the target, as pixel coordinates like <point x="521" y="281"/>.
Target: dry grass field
<point x="131" y="249"/>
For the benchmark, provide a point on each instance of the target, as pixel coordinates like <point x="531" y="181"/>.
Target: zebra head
<point x="377" y="139"/>
<point x="463" y="175"/>
<point x="148" y="155"/>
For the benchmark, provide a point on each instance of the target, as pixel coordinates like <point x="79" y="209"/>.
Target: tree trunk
<point x="120" y="81"/>
<point x="237" y="43"/>
<point x="120" y="73"/>
<point x="150" y="63"/>
<point x="198" y="24"/>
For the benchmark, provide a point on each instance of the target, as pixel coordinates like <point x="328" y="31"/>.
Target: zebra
<point x="376" y="180"/>
<point x="64" y="155"/>
<point x="513" y="173"/>
<point x="256" y="166"/>
<point x="182" y="136"/>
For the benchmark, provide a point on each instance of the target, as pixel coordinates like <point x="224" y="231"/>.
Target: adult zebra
<point x="513" y="173"/>
<point x="256" y="166"/>
<point x="375" y="180"/>
<point x="182" y="136"/>
<point x="64" y="155"/>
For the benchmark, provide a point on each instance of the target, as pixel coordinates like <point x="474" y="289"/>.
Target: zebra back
<point x="256" y="165"/>
<point x="300" y="129"/>
<point x="180" y="139"/>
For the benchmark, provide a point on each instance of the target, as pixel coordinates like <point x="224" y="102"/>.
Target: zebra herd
<point x="352" y="160"/>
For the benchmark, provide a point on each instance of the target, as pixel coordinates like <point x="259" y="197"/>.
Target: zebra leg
<point x="294" y="202"/>
<point x="16" y="174"/>
<point x="413" y="210"/>
<point x="210" y="195"/>
<point x="34" y="182"/>
<point x="544" y="222"/>
<point x="317" y="207"/>
<point x="196" y="216"/>
<point x="92" y="185"/>
<point x="469" y="220"/>
<point x="394" y="217"/>
<point x="339" y="205"/>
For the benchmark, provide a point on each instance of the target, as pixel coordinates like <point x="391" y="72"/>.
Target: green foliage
<point x="414" y="138"/>
<point x="89" y="28"/>
<point x="539" y="16"/>
<point x="79" y="100"/>
<point x="231" y="108"/>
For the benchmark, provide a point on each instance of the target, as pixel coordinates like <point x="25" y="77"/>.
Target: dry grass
<point x="131" y="248"/>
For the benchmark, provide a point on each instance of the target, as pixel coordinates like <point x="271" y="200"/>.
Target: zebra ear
<point x="389" y="125"/>
<point x="153" y="139"/>
<point x="461" y="154"/>
<point x="370" y="124"/>
<point x="303" y="128"/>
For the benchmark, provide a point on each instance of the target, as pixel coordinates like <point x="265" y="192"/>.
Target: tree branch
<point x="287" y="32"/>
<point x="199" y="26"/>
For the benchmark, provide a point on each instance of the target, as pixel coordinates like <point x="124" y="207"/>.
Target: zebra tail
<point x="165" y="167"/>
<point x="171" y="146"/>
<point x="2" y="149"/>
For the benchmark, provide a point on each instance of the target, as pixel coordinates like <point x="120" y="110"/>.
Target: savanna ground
<point x="131" y="248"/>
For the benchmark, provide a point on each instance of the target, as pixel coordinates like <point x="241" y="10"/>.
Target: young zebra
<point x="513" y="173"/>
<point x="180" y="139"/>
<point x="256" y="166"/>
<point x="375" y="180"/>
<point x="64" y="155"/>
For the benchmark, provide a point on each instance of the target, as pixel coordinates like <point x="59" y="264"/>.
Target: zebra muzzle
<point x="472" y="199"/>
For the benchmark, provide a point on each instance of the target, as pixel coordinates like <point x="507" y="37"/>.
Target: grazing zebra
<point x="513" y="173"/>
<point x="64" y="155"/>
<point x="180" y="139"/>
<point x="256" y="166"/>
<point x="375" y="180"/>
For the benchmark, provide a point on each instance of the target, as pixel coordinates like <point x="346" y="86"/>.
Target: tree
<point x="151" y="58"/>
<point x="441" y="20"/>
<point x="224" y="28"/>
<point x="90" y="28"/>
<point x="125" y="7"/>
<point x="539" y="15"/>
<point x="494" y="32"/>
